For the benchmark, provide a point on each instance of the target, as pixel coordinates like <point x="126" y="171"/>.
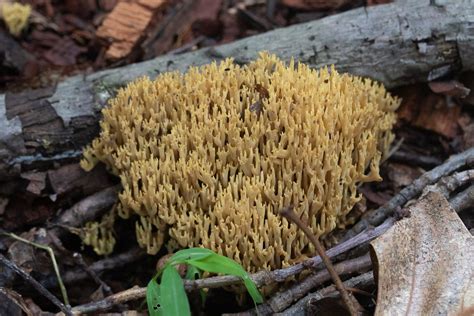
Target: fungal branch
<point x="209" y="157"/>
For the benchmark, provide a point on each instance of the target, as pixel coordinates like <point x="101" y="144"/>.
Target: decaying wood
<point x="397" y="43"/>
<point x="125" y="25"/>
<point x="284" y="299"/>
<point x="375" y="217"/>
<point x="260" y="278"/>
<point x="346" y="267"/>
<point x="463" y="200"/>
<point x="300" y="308"/>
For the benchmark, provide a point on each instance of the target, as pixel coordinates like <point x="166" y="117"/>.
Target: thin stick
<point x="351" y="303"/>
<point x="113" y="262"/>
<point x="53" y="259"/>
<point x="375" y="217"/>
<point x="299" y="308"/>
<point x="260" y="278"/>
<point x="463" y="200"/>
<point x="66" y="310"/>
<point x="132" y="294"/>
<point x="282" y="300"/>
<point x="92" y="273"/>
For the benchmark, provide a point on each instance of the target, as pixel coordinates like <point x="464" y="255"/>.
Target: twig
<point x="352" y="240"/>
<point x="415" y="159"/>
<point x="132" y="294"/>
<point x="300" y="307"/>
<point x="99" y="266"/>
<point x="375" y="217"/>
<point x="66" y="310"/>
<point x="260" y="278"/>
<point x="359" y="291"/>
<point x="92" y="273"/>
<point x="463" y="200"/>
<point x="86" y="210"/>
<point x="50" y="251"/>
<point x="351" y="303"/>
<point x="451" y="183"/>
<point x="283" y="300"/>
<point x="188" y="46"/>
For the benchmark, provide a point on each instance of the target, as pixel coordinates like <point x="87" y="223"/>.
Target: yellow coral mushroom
<point x="15" y="16"/>
<point x="208" y="158"/>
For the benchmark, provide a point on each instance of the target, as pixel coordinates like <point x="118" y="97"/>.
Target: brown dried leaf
<point x="423" y="108"/>
<point x="31" y="258"/>
<point x="425" y="262"/>
<point x="64" y="52"/>
<point x="72" y="177"/>
<point x="37" y="181"/>
<point x="452" y="88"/>
<point x="376" y="197"/>
<point x="402" y="175"/>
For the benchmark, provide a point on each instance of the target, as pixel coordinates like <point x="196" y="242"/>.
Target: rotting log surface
<point x="397" y="43"/>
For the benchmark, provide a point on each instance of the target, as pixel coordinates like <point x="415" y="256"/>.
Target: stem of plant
<point x="352" y="305"/>
<point x="50" y="251"/>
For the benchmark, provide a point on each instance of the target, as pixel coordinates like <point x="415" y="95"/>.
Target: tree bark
<point x="398" y="43"/>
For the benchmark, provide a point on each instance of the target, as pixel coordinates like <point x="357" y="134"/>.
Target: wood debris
<point x="126" y="24"/>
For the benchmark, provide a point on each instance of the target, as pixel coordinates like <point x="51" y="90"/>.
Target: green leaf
<point x="174" y="301"/>
<point x="194" y="273"/>
<point x="189" y="254"/>
<point x="220" y="264"/>
<point x="153" y="298"/>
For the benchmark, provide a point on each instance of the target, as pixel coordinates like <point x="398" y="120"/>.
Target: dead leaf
<point x="402" y="175"/>
<point x="32" y="259"/>
<point x="72" y="177"/>
<point x="424" y="262"/>
<point x="64" y="52"/>
<point x="37" y="181"/>
<point x="423" y="108"/>
<point x="376" y="197"/>
<point x="452" y="88"/>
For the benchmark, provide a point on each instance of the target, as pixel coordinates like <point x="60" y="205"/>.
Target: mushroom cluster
<point x="209" y="157"/>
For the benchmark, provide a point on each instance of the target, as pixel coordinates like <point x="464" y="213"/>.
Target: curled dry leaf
<point x="424" y="262"/>
<point x="451" y="88"/>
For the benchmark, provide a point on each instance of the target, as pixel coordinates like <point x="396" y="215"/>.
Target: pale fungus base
<point x="208" y="158"/>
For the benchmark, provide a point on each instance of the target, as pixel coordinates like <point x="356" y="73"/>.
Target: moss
<point x="208" y="158"/>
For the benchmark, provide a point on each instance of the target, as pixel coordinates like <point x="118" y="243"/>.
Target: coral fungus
<point x="15" y="16"/>
<point x="208" y="158"/>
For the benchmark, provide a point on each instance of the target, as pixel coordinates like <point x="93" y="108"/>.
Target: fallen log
<point x="398" y="43"/>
